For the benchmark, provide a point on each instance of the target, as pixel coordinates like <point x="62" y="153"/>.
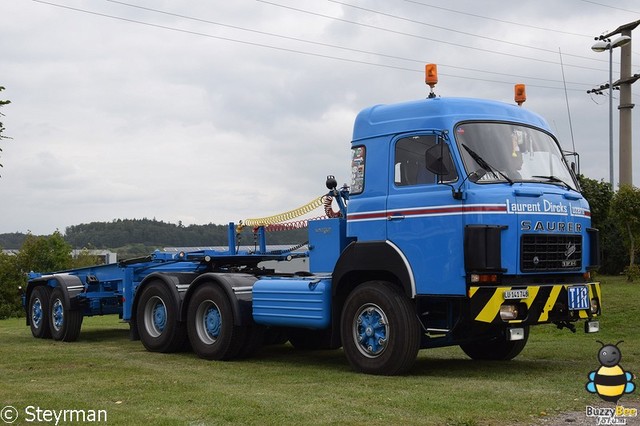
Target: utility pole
<point x="625" y="107"/>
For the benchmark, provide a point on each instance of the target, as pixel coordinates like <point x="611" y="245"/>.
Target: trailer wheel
<point x="212" y="332"/>
<point x="496" y="348"/>
<point x="39" y="312"/>
<point x="64" y="323"/>
<point x="157" y="319"/>
<point x="380" y="332"/>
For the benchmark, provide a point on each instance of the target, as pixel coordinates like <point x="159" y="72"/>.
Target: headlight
<point x="508" y="312"/>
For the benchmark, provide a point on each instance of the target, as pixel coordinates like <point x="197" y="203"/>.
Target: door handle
<point x="395" y="217"/>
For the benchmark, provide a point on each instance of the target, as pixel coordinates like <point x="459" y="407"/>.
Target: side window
<point x="357" y="170"/>
<point x="409" y="163"/>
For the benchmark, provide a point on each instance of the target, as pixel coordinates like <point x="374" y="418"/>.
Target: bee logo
<point x="610" y="381"/>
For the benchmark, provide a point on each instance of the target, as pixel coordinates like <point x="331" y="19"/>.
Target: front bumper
<point x="530" y="304"/>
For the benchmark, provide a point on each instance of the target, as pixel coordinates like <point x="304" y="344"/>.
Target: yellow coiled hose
<point x="283" y="217"/>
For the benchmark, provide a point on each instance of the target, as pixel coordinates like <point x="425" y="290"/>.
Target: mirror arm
<point x="457" y="193"/>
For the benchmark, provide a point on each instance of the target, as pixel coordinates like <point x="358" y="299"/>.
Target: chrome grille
<point x="550" y="252"/>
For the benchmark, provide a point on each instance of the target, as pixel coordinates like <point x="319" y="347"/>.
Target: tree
<point x="625" y="212"/>
<point x="10" y="281"/>
<point x="44" y="254"/>
<point x="599" y="195"/>
<point x="38" y="253"/>
<point x="2" y="103"/>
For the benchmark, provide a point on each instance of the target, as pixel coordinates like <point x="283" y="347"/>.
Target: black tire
<point x="64" y="322"/>
<point x="379" y="328"/>
<point x="212" y="332"/>
<point x="39" y="312"/>
<point x="157" y="319"/>
<point x="496" y="348"/>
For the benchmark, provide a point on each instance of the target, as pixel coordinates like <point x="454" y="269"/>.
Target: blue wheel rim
<point x="57" y="314"/>
<point x="155" y="316"/>
<point x="371" y="330"/>
<point x="208" y="322"/>
<point x="36" y="313"/>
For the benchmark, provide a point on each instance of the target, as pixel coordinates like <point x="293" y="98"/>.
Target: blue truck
<point x="463" y="225"/>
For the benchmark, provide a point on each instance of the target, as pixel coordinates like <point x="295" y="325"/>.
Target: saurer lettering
<point x="550" y="226"/>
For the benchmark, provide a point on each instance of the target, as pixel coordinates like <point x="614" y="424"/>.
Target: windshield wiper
<point x="482" y="163"/>
<point x="552" y="178"/>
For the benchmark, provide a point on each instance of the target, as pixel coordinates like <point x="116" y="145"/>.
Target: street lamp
<point x="601" y="46"/>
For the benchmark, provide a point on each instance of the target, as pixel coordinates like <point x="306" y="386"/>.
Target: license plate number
<point x="579" y="298"/>
<point x="516" y="294"/>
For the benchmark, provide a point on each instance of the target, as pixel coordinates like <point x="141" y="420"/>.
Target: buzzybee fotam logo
<point x="610" y="381"/>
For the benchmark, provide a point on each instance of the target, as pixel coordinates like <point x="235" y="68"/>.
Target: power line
<point x="423" y="37"/>
<point x="165" y="27"/>
<point x="148" y="24"/>
<point x="519" y="24"/>
<point x="610" y="7"/>
<point x="495" y="40"/>
<point x="422" y="62"/>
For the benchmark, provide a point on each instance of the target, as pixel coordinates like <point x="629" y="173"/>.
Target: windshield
<point x="506" y="152"/>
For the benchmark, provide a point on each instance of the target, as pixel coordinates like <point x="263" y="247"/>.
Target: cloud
<point x="187" y="119"/>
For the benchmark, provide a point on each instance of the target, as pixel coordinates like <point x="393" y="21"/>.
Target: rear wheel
<point x="212" y="332"/>
<point x="39" y="312"/>
<point x="380" y="332"/>
<point x="157" y="320"/>
<point x="64" y="322"/>
<point x="496" y="348"/>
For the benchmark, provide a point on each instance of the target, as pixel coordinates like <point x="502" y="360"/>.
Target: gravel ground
<point x="579" y="418"/>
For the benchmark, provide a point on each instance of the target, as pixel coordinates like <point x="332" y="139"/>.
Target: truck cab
<point x="470" y="207"/>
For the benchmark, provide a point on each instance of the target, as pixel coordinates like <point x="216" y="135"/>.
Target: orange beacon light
<point x="431" y="77"/>
<point x="520" y="94"/>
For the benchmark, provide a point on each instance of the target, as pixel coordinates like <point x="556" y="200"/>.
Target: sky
<point x="200" y="112"/>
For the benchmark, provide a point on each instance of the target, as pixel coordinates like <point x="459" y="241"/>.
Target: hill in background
<point x="134" y="237"/>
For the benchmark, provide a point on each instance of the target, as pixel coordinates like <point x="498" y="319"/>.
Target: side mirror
<point x="435" y="158"/>
<point x="477" y="175"/>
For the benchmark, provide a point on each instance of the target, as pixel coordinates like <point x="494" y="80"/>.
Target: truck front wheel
<point x="157" y="319"/>
<point x="39" y="312"/>
<point x="380" y="332"/>
<point x="496" y="348"/>
<point x="212" y="332"/>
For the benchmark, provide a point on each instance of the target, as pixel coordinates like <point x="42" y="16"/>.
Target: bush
<point x="38" y="253"/>
<point x="10" y="280"/>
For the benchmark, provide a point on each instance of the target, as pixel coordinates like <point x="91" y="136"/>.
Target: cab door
<point x="424" y="221"/>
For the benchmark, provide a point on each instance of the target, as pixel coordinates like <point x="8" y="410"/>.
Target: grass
<point x="106" y="371"/>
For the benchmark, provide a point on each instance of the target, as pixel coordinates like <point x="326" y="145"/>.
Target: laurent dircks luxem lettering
<point x="545" y="206"/>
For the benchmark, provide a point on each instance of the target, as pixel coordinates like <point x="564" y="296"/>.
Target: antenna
<point x="566" y="98"/>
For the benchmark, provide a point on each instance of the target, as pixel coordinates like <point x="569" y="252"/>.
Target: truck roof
<point x="437" y="114"/>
